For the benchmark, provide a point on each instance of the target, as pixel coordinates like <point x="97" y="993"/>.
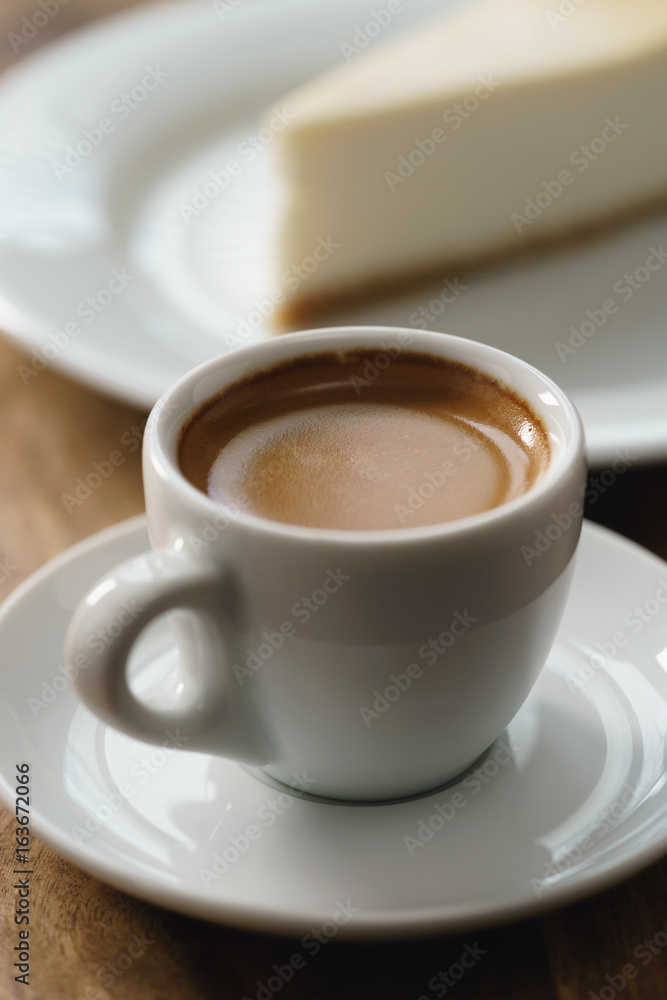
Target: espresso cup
<point x="383" y="663"/>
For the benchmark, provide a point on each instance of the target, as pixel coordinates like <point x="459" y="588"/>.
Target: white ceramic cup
<point x="381" y="663"/>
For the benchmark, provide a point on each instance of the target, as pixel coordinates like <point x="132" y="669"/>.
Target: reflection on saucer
<point x="571" y="798"/>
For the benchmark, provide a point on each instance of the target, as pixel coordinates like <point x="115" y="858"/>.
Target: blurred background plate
<point x="125" y="262"/>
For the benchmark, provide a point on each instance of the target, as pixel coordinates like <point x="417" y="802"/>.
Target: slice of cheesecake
<point x="501" y="124"/>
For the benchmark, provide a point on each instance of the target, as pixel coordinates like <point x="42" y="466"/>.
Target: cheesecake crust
<point x="301" y="311"/>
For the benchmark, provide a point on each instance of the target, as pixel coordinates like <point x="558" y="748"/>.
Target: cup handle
<point x="110" y="619"/>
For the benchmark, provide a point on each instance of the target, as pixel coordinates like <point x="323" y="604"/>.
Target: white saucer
<point x="194" y="282"/>
<point x="579" y="803"/>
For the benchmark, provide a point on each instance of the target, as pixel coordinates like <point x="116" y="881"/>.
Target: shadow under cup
<point x="380" y="663"/>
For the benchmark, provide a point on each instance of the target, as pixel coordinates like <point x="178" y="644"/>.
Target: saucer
<point x="125" y="262"/>
<point x="572" y="798"/>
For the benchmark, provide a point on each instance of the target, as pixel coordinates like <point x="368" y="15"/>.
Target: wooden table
<point x="50" y="431"/>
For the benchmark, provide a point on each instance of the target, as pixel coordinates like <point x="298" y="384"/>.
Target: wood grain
<point x="51" y="431"/>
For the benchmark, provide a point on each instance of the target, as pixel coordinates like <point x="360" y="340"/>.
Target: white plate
<point x="193" y="283"/>
<point x="579" y="803"/>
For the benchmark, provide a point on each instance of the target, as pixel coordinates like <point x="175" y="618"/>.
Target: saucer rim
<point x="371" y="925"/>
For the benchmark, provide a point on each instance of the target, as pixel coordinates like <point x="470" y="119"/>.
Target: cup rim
<point x="323" y="340"/>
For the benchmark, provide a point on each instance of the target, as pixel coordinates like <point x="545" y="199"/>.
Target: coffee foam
<point x="427" y="442"/>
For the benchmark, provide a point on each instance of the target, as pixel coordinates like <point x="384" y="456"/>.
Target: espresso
<point x="336" y="441"/>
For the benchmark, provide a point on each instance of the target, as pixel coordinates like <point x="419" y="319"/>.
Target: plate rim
<point x="27" y="333"/>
